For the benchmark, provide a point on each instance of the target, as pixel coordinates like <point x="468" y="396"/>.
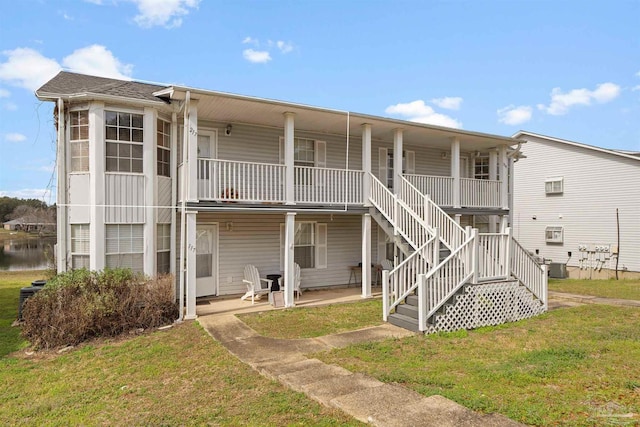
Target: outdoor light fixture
<point x="228" y="130"/>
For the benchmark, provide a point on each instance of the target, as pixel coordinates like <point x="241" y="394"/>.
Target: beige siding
<point x="124" y="199"/>
<point x="595" y="184"/>
<point x="164" y="199"/>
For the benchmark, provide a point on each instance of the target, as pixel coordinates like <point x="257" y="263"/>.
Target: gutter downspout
<point x="183" y="201"/>
<point x="61" y="195"/>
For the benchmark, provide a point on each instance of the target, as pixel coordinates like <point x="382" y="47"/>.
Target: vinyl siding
<point x="124" y="199"/>
<point x="79" y="200"/>
<point x="595" y="184"/>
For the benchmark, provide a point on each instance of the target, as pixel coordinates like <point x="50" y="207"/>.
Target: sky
<point x="567" y="69"/>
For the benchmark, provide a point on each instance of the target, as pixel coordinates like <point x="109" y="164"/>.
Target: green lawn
<point x="315" y="321"/>
<point x="623" y="289"/>
<point x="176" y="377"/>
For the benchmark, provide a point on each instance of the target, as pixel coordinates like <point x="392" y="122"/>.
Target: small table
<point x="354" y="269"/>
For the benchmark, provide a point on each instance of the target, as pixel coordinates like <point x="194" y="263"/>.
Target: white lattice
<point x="485" y="305"/>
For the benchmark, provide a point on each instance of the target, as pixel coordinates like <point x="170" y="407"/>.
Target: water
<point x="26" y="254"/>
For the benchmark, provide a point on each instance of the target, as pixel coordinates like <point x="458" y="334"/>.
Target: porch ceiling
<point x="231" y="108"/>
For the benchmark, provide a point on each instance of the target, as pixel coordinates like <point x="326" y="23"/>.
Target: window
<point x="164" y="148"/>
<point x="310" y="245"/>
<point x="79" y="246"/>
<point x="124" y="246"/>
<point x="79" y="141"/>
<point x="304" y="152"/>
<point x="163" y="248"/>
<point x="124" y="135"/>
<point x="481" y="168"/>
<point x="553" y="234"/>
<point x="553" y="185"/>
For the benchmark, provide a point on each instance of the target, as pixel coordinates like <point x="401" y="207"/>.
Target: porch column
<point x="366" y="162"/>
<point x="503" y="165"/>
<point x="96" y="186"/>
<point x="174" y="190"/>
<point x="511" y="172"/>
<point x="149" y="167"/>
<point x="191" y="137"/>
<point x="288" y="158"/>
<point x="455" y="171"/>
<point x="61" y="195"/>
<point x="289" y="271"/>
<point x="191" y="266"/>
<point x="397" y="160"/>
<point x="366" y="256"/>
<point x="493" y="175"/>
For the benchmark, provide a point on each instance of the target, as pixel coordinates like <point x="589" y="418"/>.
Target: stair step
<point x="407" y="310"/>
<point x="403" y="321"/>
<point x="412" y="300"/>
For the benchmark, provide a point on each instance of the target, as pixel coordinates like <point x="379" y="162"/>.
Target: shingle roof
<point x="67" y="83"/>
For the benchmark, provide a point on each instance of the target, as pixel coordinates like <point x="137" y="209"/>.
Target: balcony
<point x="474" y="193"/>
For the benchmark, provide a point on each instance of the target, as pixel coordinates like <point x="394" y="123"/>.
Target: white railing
<point x="480" y="193"/>
<point x="450" y="231"/>
<point x="439" y="188"/>
<point x="492" y="256"/>
<point x="330" y="186"/>
<point x="383" y="199"/>
<point x="227" y="180"/>
<point x="529" y="272"/>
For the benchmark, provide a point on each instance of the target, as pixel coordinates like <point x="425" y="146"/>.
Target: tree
<point x="9" y="204"/>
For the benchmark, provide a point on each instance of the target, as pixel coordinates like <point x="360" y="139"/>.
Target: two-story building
<point x="199" y="183"/>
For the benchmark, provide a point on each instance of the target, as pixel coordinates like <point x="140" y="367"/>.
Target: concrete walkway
<point x="589" y="299"/>
<point x="358" y="395"/>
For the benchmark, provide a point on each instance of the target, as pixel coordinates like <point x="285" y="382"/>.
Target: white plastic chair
<point x="254" y="283"/>
<point x="296" y="279"/>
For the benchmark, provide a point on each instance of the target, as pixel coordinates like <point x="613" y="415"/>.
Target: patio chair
<point x="254" y="283"/>
<point x="386" y="264"/>
<point x="296" y="279"/>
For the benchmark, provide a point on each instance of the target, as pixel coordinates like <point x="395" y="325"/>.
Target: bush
<point x="81" y="304"/>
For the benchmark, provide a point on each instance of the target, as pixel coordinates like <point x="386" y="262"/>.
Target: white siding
<point x="595" y="184"/>
<point x="124" y="199"/>
<point x="79" y="199"/>
<point x="164" y="199"/>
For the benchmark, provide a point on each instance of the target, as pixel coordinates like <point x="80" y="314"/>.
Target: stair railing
<point x="532" y="275"/>
<point x="451" y="233"/>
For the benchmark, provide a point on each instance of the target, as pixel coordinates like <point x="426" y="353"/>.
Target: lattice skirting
<point x="485" y="305"/>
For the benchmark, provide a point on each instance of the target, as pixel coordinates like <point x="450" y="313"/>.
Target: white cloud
<point x="284" y="46"/>
<point x="4" y="93"/>
<point x="66" y="16"/>
<point x="14" y="137"/>
<point x="28" y="193"/>
<point x="248" y="39"/>
<point x="27" y="68"/>
<point x="10" y="106"/>
<point x="98" y="2"/>
<point x="448" y="102"/>
<point x="97" y="60"/>
<point x="512" y="115"/>
<point x="165" y="13"/>
<point x="638" y="74"/>
<point x="562" y="102"/>
<point x="635" y="88"/>
<point x="256" y="56"/>
<point x="418" y="111"/>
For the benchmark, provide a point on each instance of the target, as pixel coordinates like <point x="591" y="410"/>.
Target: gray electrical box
<point x="558" y="270"/>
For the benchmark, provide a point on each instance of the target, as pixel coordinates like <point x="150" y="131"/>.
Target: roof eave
<point x="88" y="96"/>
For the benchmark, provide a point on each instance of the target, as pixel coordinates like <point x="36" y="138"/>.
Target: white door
<point x="206" y="260"/>
<point x="207" y="147"/>
<point x="464" y="167"/>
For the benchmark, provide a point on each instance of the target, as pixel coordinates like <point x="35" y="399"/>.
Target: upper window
<point x="124" y="135"/>
<point x="553" y="234"/>
<point x="79" y="141"/>
<point x="164" y="148"/>
<point x="481" y="168"/>
<point x="304" y="152"/>
<point x="553" y="185"/>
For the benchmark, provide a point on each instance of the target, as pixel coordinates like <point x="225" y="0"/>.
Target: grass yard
<point x="312" y="322"/>
<point x="577" y="366"/>
<point x="623" y="289"/>
<point x="175" y="377"/>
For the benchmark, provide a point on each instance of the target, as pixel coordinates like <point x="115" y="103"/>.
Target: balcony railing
<point x="474" y="193"/>
<point x="250" y="182"/>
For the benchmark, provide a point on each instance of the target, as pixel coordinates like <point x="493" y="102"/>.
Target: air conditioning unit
<point x="558" y="270"/>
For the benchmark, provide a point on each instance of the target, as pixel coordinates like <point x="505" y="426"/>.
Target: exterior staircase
<point x="451" y="278"/>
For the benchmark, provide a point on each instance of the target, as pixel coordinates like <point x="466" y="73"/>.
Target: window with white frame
<point x="553" y="234"/>
<point x="80" y="246"/>
<point x="124" y="246"/>
<point x="304" y="152"/>
<point x="554" y="185"/>
<point x="164" y="148"/>
<point x="481" y="168"/>
<point x="310" y="245"/>
<point x="79" y="140"/>
<point x="124" y="137"/>
<point x="163" y="248"/>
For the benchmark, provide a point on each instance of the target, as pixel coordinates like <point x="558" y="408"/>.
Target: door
<point x="206" y="259"/>
<point x="207" y="147"/>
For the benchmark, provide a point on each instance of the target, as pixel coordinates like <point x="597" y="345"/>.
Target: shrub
<point x="81" y="304"/>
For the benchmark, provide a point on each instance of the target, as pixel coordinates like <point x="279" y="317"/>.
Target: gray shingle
<point x="67" y="83"/>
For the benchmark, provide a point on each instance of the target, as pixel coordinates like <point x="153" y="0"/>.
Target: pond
<point x="26" y="254"/>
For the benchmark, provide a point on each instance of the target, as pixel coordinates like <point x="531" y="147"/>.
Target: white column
<point x="97" y="186"/>
<point x="366" y="162"/>
<point x="191" y="266"/>
<point x="62" y="195"/>
<point x="289" y="271"/>
<point x="288" y="158"/>
<point x="503" y="165"/>
<point x="455" y="171"/>
<point x="493" y="175"/>
<point x="397" y="160"/>
<point x="191" y="134"/>
<point x="366" y="256"/>
<point x="174" y="190"/>
<point x="150" y="200"/>
<point x="511" y="171"/>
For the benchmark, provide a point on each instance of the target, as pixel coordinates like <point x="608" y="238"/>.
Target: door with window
<point x="206" y="260"/>
<point x="385" y="165"/>
<point x="207" y="149"/>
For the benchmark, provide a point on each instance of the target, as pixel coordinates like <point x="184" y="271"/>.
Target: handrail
<point x="528" y="271"/>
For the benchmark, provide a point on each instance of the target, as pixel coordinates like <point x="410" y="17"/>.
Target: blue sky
<point x="569" y="69"/>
